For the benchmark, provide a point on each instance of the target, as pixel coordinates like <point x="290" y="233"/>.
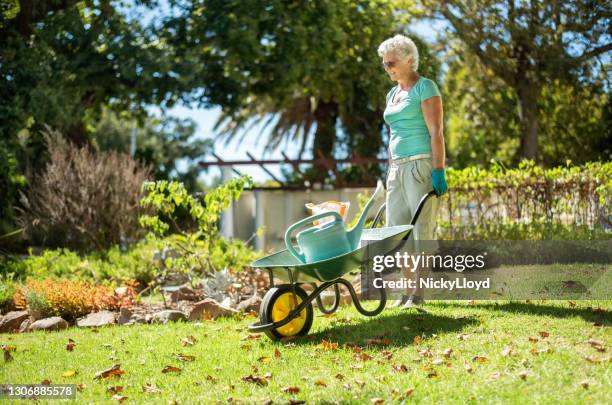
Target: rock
<point x="94" y="319"/>
<point x="121" y="291"/>
<point x="25" y="325"/>
<point x="184" y="293"/>
<point x="53" y="323"/>
<point x="12" y="320"/>
<point x="212" y="308"/>
<point x="168" y="315"/>
<point x="127" y="317"/>
<point x="251" y="304"/>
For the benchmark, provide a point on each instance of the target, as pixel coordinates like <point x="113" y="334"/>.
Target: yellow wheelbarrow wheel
<point x="278" y="303"/>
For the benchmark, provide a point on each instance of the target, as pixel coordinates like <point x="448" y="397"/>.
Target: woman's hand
<point x="438" y="181"/>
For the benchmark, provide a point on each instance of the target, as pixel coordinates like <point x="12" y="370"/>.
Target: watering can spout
<point x="354" y="234"/>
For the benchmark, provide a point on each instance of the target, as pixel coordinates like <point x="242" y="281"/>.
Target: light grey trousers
<point x="408" y="181"/>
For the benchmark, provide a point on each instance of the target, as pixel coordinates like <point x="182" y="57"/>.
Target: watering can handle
<point x="301" y="223"/>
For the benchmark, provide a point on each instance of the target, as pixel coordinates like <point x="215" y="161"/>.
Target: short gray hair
<point x="403" y="46"/>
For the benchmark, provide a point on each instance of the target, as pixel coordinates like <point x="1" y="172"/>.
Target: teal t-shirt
<point x="409" y="133"/>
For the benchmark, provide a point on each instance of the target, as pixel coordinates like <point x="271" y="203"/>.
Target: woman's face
<point x="396" y="67"/>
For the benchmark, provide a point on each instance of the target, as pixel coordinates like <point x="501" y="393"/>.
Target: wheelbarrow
<point x="286" y="309"/>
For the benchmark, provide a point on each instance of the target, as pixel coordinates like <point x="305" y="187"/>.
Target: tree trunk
<point x="528" y="114"/>
<point x="325" y="114"/>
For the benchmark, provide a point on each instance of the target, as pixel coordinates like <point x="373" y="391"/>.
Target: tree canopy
<point x="529" y="45"/>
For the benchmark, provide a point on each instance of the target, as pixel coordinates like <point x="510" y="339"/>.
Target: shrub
<point x="201" y="252"/>
<point x="84" y="200"/>
<point x="7" y="292"/>
<point x="529" y="202"/>
<point x="68" y="299"/>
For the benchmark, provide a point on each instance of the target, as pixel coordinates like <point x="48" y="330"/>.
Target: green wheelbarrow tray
<point x="287" y="267"/>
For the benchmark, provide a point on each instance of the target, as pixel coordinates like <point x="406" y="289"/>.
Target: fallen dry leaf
<point x="46" y="381"/>
<point x="462" y="336"/>
<point x="277" y="353"/>
<point x="246" y="346"/>
<point x="184" y="357"/>
<point x="386" y="355"/>
<point x="119" y="398"/>
<point x="327" y="315"/>
<point x="339" y="376"/>
<point x="597" y="345"/>
<point x="467" y="366"/>
<point x="584" y="384"/>
<point x="426" y="353"/>
<point x="188" y="341"/>
<point x="69" y="373"/>
<point x="7" y="352"/>
<point x="81" y="387"/>
<point x="325" y="345"/>
<point x="210" y="378"/>
<point x="544" y="334"/>
<point x="320" y="383"/>
<point x="377" y="401"/>
<point x="296" y="402"/>
<point x="252" y="337"/>
<point x="291" y="390"/>
<point x="264" y="359"/>
<point x="255" y="380"/>
<point x="70" y="345"/>
<point x="592" y="359"/>
<point x="171" y="369"/>
<point x="407" y="393"/>
<point x="571" y="303"/>
<point x="522" y="375"/>
<point x="507" y="351"/>
<point x="447" y="353"/>
<point x="417" y="340"/>
<point x="399" y="368"/>
<point x="115" y="389"/>
<point x="150" y="388"/>
<point x="361" y="383"/>
<point x="431" y="373"/>
<point x="537" y="352"/>
<point x="533" y="339"/>
<point x="362" y="356"/>
<point x="599" y="310"/>
<point x="480" y="359"/>
<point x="110" y="372"/>
<point x="378" y="342"/>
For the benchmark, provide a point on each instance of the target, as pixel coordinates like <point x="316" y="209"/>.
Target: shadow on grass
<point x="398" y="329"/>
<point x="589" y="314"/>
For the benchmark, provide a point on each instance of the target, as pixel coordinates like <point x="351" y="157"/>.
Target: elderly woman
<point x="416" y="145"/>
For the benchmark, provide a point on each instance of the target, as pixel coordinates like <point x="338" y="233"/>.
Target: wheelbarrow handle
<point x="415" y="217"/>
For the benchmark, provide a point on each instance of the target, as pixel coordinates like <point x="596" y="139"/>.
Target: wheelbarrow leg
<point x="357" y="303"/>
<point x="335" y="304"/>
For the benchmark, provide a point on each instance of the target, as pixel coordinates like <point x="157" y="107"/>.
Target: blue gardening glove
<point x="438" y="181"/>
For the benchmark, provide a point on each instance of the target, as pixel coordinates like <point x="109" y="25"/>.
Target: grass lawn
<point x="459" y="352"/>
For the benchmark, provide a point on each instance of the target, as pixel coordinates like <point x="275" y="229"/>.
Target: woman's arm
<point x="432" y="112"/>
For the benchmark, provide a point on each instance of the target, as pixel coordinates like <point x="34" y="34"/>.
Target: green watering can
<point x="331" y="239"/>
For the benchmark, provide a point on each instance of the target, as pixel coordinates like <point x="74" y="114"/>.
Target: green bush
<point x="529" y="202"/>
<point x="8" y="287"/>
<point x="203" y="251"/>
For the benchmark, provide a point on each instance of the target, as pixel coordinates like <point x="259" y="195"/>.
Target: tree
<point x="529" y="45"/>
<point x="301" y="67"/>
<point x="60" y="62"/>
<point x="482" y="123"/>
